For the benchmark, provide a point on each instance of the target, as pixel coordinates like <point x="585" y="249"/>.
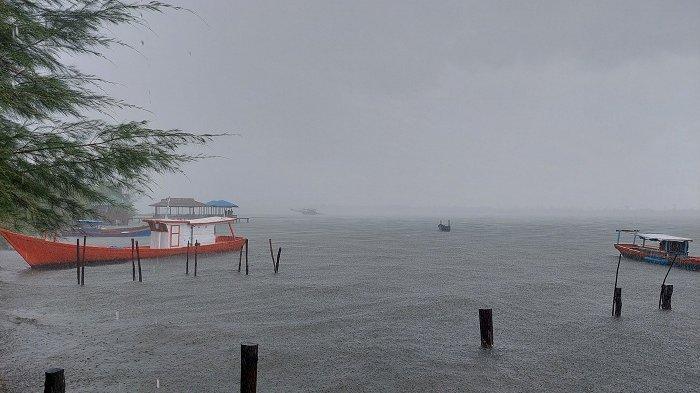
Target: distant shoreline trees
<point x="57" y="161"/>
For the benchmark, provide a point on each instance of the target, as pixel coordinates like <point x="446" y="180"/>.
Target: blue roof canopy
<point x="221" y="203"/>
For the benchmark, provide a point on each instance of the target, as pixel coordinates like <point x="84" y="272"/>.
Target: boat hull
<point x="44" y="253"/>
<point x="657" y="257"/>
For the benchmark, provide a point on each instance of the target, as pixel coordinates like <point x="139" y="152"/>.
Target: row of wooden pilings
<point x="136" y="259"/>
<point x="55" y="382"/>
<point x="664" y="296"/>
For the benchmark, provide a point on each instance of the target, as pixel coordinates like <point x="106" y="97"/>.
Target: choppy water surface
<point x="365" y="304"/>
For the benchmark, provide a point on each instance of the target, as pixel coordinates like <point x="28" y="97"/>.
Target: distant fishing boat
<point x="668" y="249"/>
<point x="167" y="237"/>
<point x="93" y="228"/>
<point x="444" y="228"/>
<point x="307" y="212"/>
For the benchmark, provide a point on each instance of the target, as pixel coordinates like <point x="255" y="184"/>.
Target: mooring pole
<point x="486" y="327"/>
<point x="82" y="268"/>
<point x="138" y="260"/>
<point x="187" y="259"/>
<point x="196" y="245"/>
<point x="240" y="258"/>
<point x="277" y="264"/>
<point x="617" y="302"/>
<point x="619" y="259"/>
<point x="272" y="255"/>
<point x="133" y="263"/>
<point x="54" y="381"/>
<point x="663" y="283"/>
<point x="666" y="293"/>
<point x="246" y="257"/>
<point x="77" y="259"/>
<point x="249" y="367"/>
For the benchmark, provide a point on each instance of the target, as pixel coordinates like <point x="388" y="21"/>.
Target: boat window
<point x="157" y="226"/>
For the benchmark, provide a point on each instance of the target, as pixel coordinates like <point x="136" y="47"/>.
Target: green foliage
<point x="56" y="158"/>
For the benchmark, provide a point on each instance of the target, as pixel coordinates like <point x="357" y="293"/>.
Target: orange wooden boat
<point x="669" y="250"/>
<point x="168" y="237"/>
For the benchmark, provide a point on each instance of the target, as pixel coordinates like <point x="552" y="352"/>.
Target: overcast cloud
<point x="425" y="104"/>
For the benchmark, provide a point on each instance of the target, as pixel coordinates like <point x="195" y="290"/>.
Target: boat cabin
<point x="670" y="244"/>
<point x="172" y="233"/>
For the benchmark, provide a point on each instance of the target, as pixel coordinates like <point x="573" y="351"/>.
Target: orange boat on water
<point x="168" y="237"/>
<point x="670" y="250"/>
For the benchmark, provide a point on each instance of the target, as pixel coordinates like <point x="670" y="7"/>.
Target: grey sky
<point x="426" y="104"/>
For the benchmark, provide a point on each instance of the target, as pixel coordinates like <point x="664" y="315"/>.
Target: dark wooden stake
<point x="619" y="259"/>
<point x="663" y="283"/>
<point x="54" y="381"/>
<point x="486" y="326"/>
<point x="196" y="245"/>
<point x="187" y="260"/>
<point x="246" y="257"/>
<point x="666" y="293"/>
<point x="249" y="368"/>
<point x="77" y="259"/>
<point x="138" y="260"/>
<point x="240" y="258"/>
<point x="277" y="264"/>
<point x="133" y="262"/>
<point x="617" y="302"/>
<point x="82" y="267"/>
<point x="272" y="255"/>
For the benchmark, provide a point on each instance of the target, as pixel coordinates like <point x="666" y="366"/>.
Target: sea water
<point x="364" y="304"/>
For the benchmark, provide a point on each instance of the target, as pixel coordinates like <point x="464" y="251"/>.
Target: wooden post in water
<point x="666" y="293"/>
<point x="82" y="267"/>
<point x="486" y="327"/>
<point x="187" y="259"/>
<point x="77" y="259"/>
<point x="277" y="264"/>
<point x="246" y="257"/>
<point x="617" y="302"/>
<point x="240" y="258"/>
<point x="249" y="368"/>
<point x="619" y="259"/>
<point x="272" y="255"/>
<point x="133" y="263"/>
<point x="138" y="259"/>
<point x="54" y="381"/>
<point x="196" y="246"/>
<point x="663" y="285"/>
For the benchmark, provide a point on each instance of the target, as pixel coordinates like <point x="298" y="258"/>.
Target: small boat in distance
<point x="668" y="249"/>
<point x="444" y="228"/>
<point x="306" y="212"/>
<point x="168" y="237"/>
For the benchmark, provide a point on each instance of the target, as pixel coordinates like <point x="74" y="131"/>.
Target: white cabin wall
<point x="204" y="234"/>
<point x="160" y="239"/>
